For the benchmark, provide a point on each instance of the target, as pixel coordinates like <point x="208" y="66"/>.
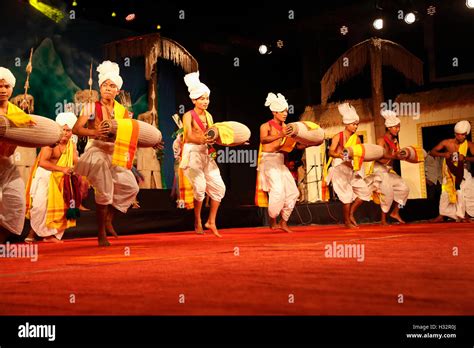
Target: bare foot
<point x="30" y="238"/>
<point x="198" y="228"/>
<point x="384" y="223"/>
<point x="439" y="218"/>
<point x="468" y="220"/>
<point x="104" y="242"/>
<point x="350" y="225"/>
<point x="52" y="239"/>
<point x="273" y="224"/>
<point x="109" y="228"/>
<point x="213" y="228"/>
<point x="81" y="207"/>
<point x="397" y="217"/>
<point x="284" y="226"/>
<point x="353" y="220"/>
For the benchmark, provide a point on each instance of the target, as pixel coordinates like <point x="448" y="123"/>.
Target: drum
<point x="369" y="152"/>
<point x="306" y="133"/>
<point x="221" y="131"/>
<point x="148" y="135"/>
<point x="46" y="132"/>
<point x="412" y="154"/>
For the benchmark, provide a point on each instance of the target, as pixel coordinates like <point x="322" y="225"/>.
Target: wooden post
<point x="377" y="87"/>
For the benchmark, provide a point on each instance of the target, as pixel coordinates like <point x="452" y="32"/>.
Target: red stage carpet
<point x="274" y="273"/>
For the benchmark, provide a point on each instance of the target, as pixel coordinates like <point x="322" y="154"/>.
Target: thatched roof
<point x="440" y="98"/>
<point x="25" y="104"/>
<point x="152" y="47"/>
<point x="351" y="63"/>
<point x="329" y="116"/>
<point x="85" y="96"/>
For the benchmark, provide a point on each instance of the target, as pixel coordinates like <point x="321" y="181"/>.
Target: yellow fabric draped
<point x="261" y="197"/>
<point x="226" y="133"/>
<point x="449" y="185"/>
<point x="353" y="140"/>
<point x="17" y="116"/>
<point x="125" y="143"/>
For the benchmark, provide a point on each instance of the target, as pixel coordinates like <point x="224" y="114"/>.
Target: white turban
<point x="276" y="103"/>
<point x="196" y="88"/>
<point x="7" y="75"/>
<point x="462" y="127"/>
<point x="391" y="119"/>
<point x="348" y="112"/>
<point x="109" y="71"/>
<point x="66" y="118"/>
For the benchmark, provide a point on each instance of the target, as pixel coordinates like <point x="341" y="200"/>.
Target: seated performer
<point x="390" y="190"/>
<point x="349" y="185"/>
<point x="457" y="195"/>
<point x="12" y="186"/>
<point x="114" y="184"/>
<point x="197" y="160"/>
<point x="273" y="176"/>
<point x="51" y="176"/>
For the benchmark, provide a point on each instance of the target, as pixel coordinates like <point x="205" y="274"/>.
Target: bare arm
<point x="436" y="151"/>
<point x="266" y="137"/>
<point x="387" y="157"/>
<point x="333" y="147"/>
<point x="45" y="161"/>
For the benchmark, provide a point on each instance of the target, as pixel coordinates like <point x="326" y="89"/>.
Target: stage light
<point x="378" y="23"/>
<point x="280" y="44"/>
<point x="49" y="11"/>
<point x="431" y="10"/>
<point x="114" y="14"/>
<point x="410" y="18"/>
<point x="130" y="17"/>
<point x="158" y="27"/>
<point x="470" y="3"/>
<point x="344" y="30"/>
<point x="74" y="3"/>
<point x="263" y="49"/>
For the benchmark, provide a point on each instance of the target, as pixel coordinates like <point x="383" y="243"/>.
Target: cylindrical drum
<point x="44" y="133"/>
<point x="229" y="133"/>
<point x="369" y="152"/>
<point x="148" y="135"/>
<point x="306" y="133"/>
<point x="412" y="154"/>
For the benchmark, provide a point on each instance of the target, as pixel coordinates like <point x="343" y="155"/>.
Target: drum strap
<point x="198" y="120"/>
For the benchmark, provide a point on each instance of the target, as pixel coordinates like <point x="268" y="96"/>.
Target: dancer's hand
<point x="103" y="130"/>
<point x="159" y="146"/>
<point x="67" y="171"/>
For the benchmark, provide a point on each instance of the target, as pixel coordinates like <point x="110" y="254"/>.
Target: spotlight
<point x="158" y="27"/>
<point x="130" y="17"/>
<point x="431" y="10"/>
<point x="410" y="18"/>
<point x="114" y="14"/>
<point x="378" y="23"/>
<point x="470" y="3"/>
<point x="344" y="30"/>
<point x="74" y="3"/>
<point x="263" y="49"/>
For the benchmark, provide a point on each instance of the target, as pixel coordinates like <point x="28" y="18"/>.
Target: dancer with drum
<point x="115" y="185"/>
<point x="198" y="155"/>
<point x="349" y="185"/>
<point x="12" y="186"/>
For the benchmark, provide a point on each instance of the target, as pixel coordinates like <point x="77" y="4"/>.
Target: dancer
<point x="273" y="175"/>
<point x="349" y="185"/>
<point x="197" y="158"/>
<point x="115" y="185"/>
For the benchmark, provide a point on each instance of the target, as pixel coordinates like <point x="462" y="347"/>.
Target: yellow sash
<point x="56" y="209"/>
<point x="353" y="140"/>
<point x="126" y="139"/>
<point x="449" y="185"/>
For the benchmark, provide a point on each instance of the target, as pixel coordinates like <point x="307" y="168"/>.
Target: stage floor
<point x="250" y="271"/>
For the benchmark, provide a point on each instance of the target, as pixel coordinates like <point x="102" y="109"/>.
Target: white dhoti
<point x="203" y="172"/>
<point x="276" y="179"/>
<point x="464" y="199"/>
<point x="390" y="186"/>
<point x="12" y="197"/>
<point x="39" y="205"/>
<point x="347" y="184"/>
<point x="112" y="184"/>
